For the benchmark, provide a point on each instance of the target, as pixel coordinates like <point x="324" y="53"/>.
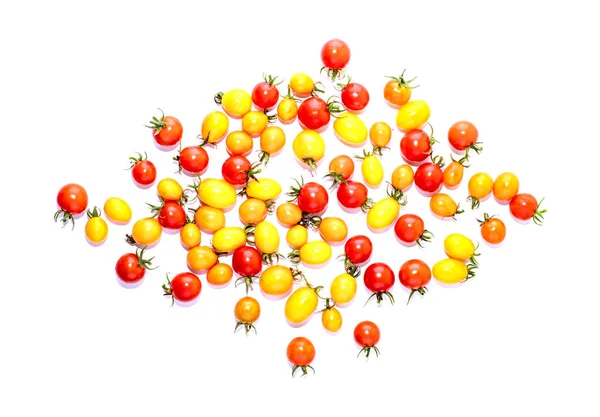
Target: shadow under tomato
<point x="502" y="202"/>
<point x="187" y="303"/>
<point x="427" y="193"/>
<point x="348" y="210"/>
<point x="171" y="232"/>
<point x="302" y="323"/>
<point x="95" y="244"/>
<point x="165" y="148"/>
<point x="143" y="186"/>
<point x="276" y="297"/>
<point x="128" y="285"/>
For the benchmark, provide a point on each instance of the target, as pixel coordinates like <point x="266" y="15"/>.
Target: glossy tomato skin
<point x="72" y="198"/>
<point x="493" y="230"/>
<point x="235" y="169"/>
<point x="265" y="95"/>
<point x="414" y="274"/>
<point x="172" y="215"/>
<point x="409" y="228"/>
<point x="186" y="287"/>
<point x="462" y="134"/>
<point x="396" y="94"/>
<point x="313" y="113"/>
<point x="193" y="159"/>
<point x="366" y="333"/>
<point x="170" y="134"/>
<point x="429" y="177"/>
<point x="301" y="351"/>
<point x="246" y="261"/>
<point x="144" y="172"/>
<point x="379" y="277"/>
<point x="352" y="194"/>
<point x="129" y="269"/>
<point x="313" y="198"/>
<point x="355" y="96"/>
<point x="342" y="165"/>
<point x="335" y="54"/>
<point x="415" y="146"/>
<point x="523" y="206"/>
<point x="358" y="249"/>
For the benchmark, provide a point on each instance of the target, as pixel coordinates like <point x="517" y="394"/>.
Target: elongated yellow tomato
<point x="301" y="304"/>
<point x="372" y="170"/>
<point x="169" y="189"/>
<point x="316" y="252"/>
<point x="146" y="231"/>
<point x="209" y="218"/>
<point x="332" y="319"/>
<point x="297" y="236"/>
<point x="217" y="193"/>
<point x="333" y="229"/>
<point x="276" y="280"/>
<point x="459" y="246"/>
<point x="302" y="84"/>
<point x="117" y="210"/>
<point x="343" y="288"/>
<point x="412" y="115"/>
<point x="96" y="228"/>
<point x="450" y="271"/>
<point x="229" y="239"/>
<point x="383" y="213"/>
<point x="201" y="258"/>
<point x="350" y="129"/>
<point x="287" y="110"/>
<point x="190" y="235"/>
<point x="236" y="102"/>
<point x="309" y="147"/>
<point x="264" y="189"/>
<point x="402" y="177"/>
<point x="266" y="237"/>
<point x="215" y="126"/>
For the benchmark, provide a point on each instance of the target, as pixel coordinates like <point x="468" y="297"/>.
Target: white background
<point x="80" y="81"/>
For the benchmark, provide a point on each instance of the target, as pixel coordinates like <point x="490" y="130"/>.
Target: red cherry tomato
<point x="352" y="194"/>
<point x="235" y="169"/>
<point x="312" y="198"/>
<point x="358" y="249"/>
<point x="72" y="200"/>
<point x="379" y="278"/>
<point x="462" y="135"/>
<point x="415" y="275"/>
<point x="172" y="215"/>
<point x="246" y="261"/>
<point x="301" y="353"/>
<point x="429" y="177"/>
<point x="265" y="94"/>
<point x="131" y="267"/>
<point x="184" y="287"/>
<point x="142" y="170"/>
<point x="367" y="335"/>
<point x="335" y="54"/>
<point x="410" y="228"/>
<point x="415" y="146"/>
<point x="525" y="206"/>
<point x="192" y="159"/>
<point x="167" y="130"/>
<point x="355" y="96"/>
<point x="314" y="113"/>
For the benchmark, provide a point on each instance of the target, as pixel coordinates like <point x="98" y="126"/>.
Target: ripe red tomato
<point x="525" y="206"/>
<point x="192" y="159"/>
<point x="235" y="169"/>
<point x="246" y="261"/>
<point x="131" y="267"/>
<point x="355" y="96"/>
<point x="415" y="146"/>
<point x="352" y="194"/>
<point x="72" y="200"/>
<point x="172" y="215"/>
<point x="184" y="287"/>
<point x="367" y="335"/>
<point x="142" y="170"/>
<point x="265" y="94"/>
<point x="312" y="198"/>
<point x="335" y="54"/>
<point x="301" y="353"/>
<point x="379" y="278"/>
<point x="167" y="130"/>
<point x="462" y="135"/>
<point x="429" y="177"/>
<point x="410" y="228"/>
<point x="314" y="112"/>
<point x="415" y="275"/>
<point x="358" y="249"/>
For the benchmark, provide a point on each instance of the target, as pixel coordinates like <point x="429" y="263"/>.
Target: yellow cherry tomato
<point x="117" y="210"/>
<point x="239" y="142"/>
<point x="287" y="110"/>
<point x="146" y="231"/>
<point x="297" y="236"/>
<point x="169" y="189"/>
<point x="190" y="235"/>
<point x="217" y="193"/>
<point x="453" y="174"/>
<point x="372" y="170"/>
<point x="302" y="84"/>
<point x="301" y="305"/>
<point x="444" y="206"/>
<point x="272" y="140"/>
<point x="215" y="126"/>
<point x="506" y="186"/>
<point x="480" y="186"/>
<point x="309" y="147"/>
<point x="276" y="280"/>
<point x="229" y="239"/>
<point x="316" y="252"/>
<point x="219" y="274"/>
<point x="343" y="288"/>
<point x="412" y="115"/>
<point x="450" y="271"/>
<point x="459" y="247"/>
<point x="288" y="214"/>
<point x="350" y="129"/>
<point x="402" y="177"/>
<point x="254" y="122"/>
<point x="332" y="319"/>
<point x="209" y="218"/>
<point x="333" y="229"/>
<point x="266" y="238"/>
<point x="201" y="258"/>
<point x="264" y="189"/>
<point x="380" y="134"/>
<point x="383" y="213"/>
<point x="236" y="102"/>
<point x="253" y="211"/>
<point x="96" y="228"/>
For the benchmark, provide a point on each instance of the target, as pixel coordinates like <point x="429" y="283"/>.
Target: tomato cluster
<point x="254" y="245"/>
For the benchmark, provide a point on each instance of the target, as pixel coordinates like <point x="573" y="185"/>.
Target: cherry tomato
<point x="331" y="319"/>
<point x="184" y="287"/>
<point x="415" y="275"/>
<point x="145" y="232"/>
<point x="352" y="194"/>
<point x="167" y="130"/>
<point x="315" y="252"/>
<point x="453" y="173"/>
<point x="236" y="170"/>
<point x="239" y="142"/>
<point x="201" y="258"/>
<point x="253" y="211"/>
<point x="117" y="210"/>
<point x="312" y="198"/>
<point x="254" y="123"/>
<point x="297" y="236"/>
<point x="333" y="229"/>
<point x="402" y="177"/>
<point x="209" y="218"/>
<point x="301" y="353"/>
<point x="410" y="228"/>
<point x="169" y="189"/>
<point x="493" y="230"/>
<point x="214" y="126"/>
<point x="480" y="186"/>
<point x="506" y="186"/>
<point x="415" y="146"/>
<point x="412" y="115"/>
<point x="131" y="267"/>
<point x="190" y="235"/>
<point x="287" y="110"/>
<point x="288" y="214"/>
<point x="219" y="274"/>
<point x="314" y="113"/>
<point x="525" y="206"/>
<point x="463" y="135"/>
<point x="265" y="93"/>
<point x="429" y="177"/>
<point x="335" y="55"/>
<point x="272" y="140"/>
<point x="367" y="335"/>
<point x="172" y="215"/>
<point x="246" y="262"/>
<point x="309" y="147"/>
<point x="142" y="170"/>
<point x="350" y="129"/>
<point x="341" y="168"/>
<point x="397" y="91"/>
<point x="380" y="134"/>
<point x="246" y="311"/>
<point x="358" y="249"/>
<point x="444" y="206"/>
<point x="276" y="280"/>
<point x="302" y="84"/>
<point x="379" y="278"/>
<point x="96" y="228"/>
<point x="355" y="96"/>
<point x="72" y="200"/>
<point x="236" y="102"/>
<point x="343" y="288"/>
<point x="192" y="159"/>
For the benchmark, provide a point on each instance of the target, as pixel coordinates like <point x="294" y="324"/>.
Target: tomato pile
<point x="255" y="245"/>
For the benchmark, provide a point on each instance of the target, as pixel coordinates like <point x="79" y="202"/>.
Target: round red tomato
<point x="358" y="249"/>
<point x="462" y="135"/>
<point x="367" y="335"/>
<point x="172" y="215"/>
<point x="167" y="130"/>
<point x="525" y="206"/>
<point x="142" y="170"/>
<point x="131" y="267"/>
<point x="314" y="113"/>
<point x="429" y="177"/>
<point x="235" y="169"/>
<point x="301" y="353"/>
<point x="410" y="228"/>
<point x="246" y="261"/>
<point x="313" y="198"/>
<point x="415" y="275"/>
<point x="335" y="54"/>
<point x="72" y="200"/>
<point x="415" y="146"/>
<point x="265" y="94"/>
<point x="355" y="96"/>
<point x="184" y="287"/>
<point x="192" y="159"/>
<point x="352" y="194"/>
<point x="379" y="278"/>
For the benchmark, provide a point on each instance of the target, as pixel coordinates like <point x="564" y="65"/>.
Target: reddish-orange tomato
<point x="301" y="353"/>
<point x="341" y="169"/>
<point x="167" y="130"/>
<point x="453" y="173"/>
<point x="493" y="230"/>
<point x="398" y="90"/>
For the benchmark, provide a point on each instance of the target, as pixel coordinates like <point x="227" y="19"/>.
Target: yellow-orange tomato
<point x="506" y="186"/>
<point x="333" y="229"/>
<point x="480" y="186"/>
<point x="276" y="280"/>
<point x="272" y="140"/>
<point x="403" y="177"/>
<point x="215" y="126"/>
<point x="253" y="211"/>
<point x="236" y="102"/>
<point x="332" y="319"/>
<point x="146" y="231"/>
<point x="380" y="134"/>
<point x="209" y="218"/>
<point x="302" y="84"/>
<point x="443" y="205"/>
<point x="201" y="258"/>
<point x="239" y="142"/>
<point x="397" y="91"/>
<point x="343" y="166"/>
<point x="246" y="311"/>
<point x="343" y="288"/>
<point x="190" y="235"/>
<point x="287" y="110"/>
<point x="288" y="214"/>
<point x="453" y="174"/>
<point x="254" y="122"/>
<point x="297" y="236"/>
<point x="219" y="274"/>
<point x="169" y="189"/>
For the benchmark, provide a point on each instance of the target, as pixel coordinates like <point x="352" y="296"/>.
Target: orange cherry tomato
<point x="493" y="230"/>
<point x="219" y="274"/>
<point x="403" y="177"/>
<point x="506" y="186"/>
<point x="398" y="90"/>
<point x="239" y="142"/>
<point x="453" y="174"/>
<point x="444" y="206"/>
<point x="288" y="214"/>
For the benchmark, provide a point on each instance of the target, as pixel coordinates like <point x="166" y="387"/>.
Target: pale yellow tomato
<point x="215" y="126"/>
<point x="264" y="189"/>
<point x="146" y="231"/>
<point x="287" y="110"/>
<point x="316" y="252"/>
<point x="458" y="246"/>
<point x="302" y="84"/>
<point x="266" y="238"/>
<point x="332" y="319"/>
<point x="372" y="170"/>
<point x="333" y="229"/>
<point x="201" y="258"/>
<point x="217" y="193"/>
<point x="380" y="134"/>
<point x="450" y="271"/>
<point x="383" y="213"/>
<point x="236" y="102"/>
<point x="209" y="218"/>
<point x="350" y="129"/>
<point x="301" y="305"/>
<point x="343" y="288"/>
<point x="229" y="239"/>
<point x="190" y="235"/>
<point x="169" y="189"/>
<point x="96" y="229"/>
<point x="297" y="236"/>
<point x="117" y="210"/>
<point x="412" y="115"/>
<point x="309" y="147"/>
<point x="403" y="177"/>
<point x="254" y="122"/>
<point x="276" y="280"/>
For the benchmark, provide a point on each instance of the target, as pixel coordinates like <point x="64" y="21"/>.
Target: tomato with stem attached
<point x="192" y="159"/>
<point x="493" y="230"/>
<point x="480" y="186"/>
<point x="410" y="228"/>
<point x="353" y="194"/>
<point x="96" y="228"/>
<point x="272" y="140"/>
<point x="380" y="134"/>
<point x="131" y="267"/>
<point x="331" y="318"/>
<point x="167" y="131"/>
<point x="315" y="113"/>
<point x="358" y="249"/>
<point x="237" y="170"/>
<point x="253" y="211"/>
<point x="343" y="288"/>
<point x="341" y="169"/>
<point x="415" y="274"/>
<point x="458" y="246"/>
<point x="301" y="305"/>
<point x="429" y="176"/>
<point x="301" y="353"/>
<point x="246" y="262"/>
<point x="72" y="199"/>
<point x="385" y="212"/>
<point x="335" y="55"/>
<point x="463" y="135"/>
<point x="444" y="206"/>
<point x="169" y="189"/>
<point x="236" y="102"/>
<point x="379" y="279"/>
<point x="145" y="231"/>
<point x="171" y="215"/>
<point x="214" y="127"/>
<point x="309" y="147"/>
<point x="312" y="197"/>
<point x="143" y="171"/>
<point x="354" y="96"/>
<point x="397" y="90"/>
<point x="454" y="171"/>
<point x="302" y="84"/>
<point x="524" y="206"/>
<point x="265" y="94"/>
<point x="246" y="311"/>
<point x="367" y="335"/>
<point x="415" y="146"/>
<point x="185" y="287"/>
